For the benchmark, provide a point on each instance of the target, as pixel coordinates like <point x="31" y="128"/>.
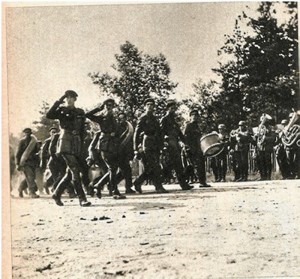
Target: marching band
<point x="162" y="148"/>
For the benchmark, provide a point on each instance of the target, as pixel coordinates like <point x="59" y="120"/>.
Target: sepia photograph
<point x="150" y="140"/>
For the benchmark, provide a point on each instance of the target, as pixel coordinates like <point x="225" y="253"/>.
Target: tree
<point x="42" y="126"/>
<point x="262" y="74"/>
<point x="232" y="76"/>
<point x="206" y="99"/>
<point x="140" y="76"/>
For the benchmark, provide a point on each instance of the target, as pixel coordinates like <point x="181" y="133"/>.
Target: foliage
<point x="206" y="99"/>
<point x="140" y="76"/>
<point x="262" y="72"/>
<point x="42" y="126"/>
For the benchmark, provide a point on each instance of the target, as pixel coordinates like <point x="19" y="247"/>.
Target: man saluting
<point x="70" y="142"/>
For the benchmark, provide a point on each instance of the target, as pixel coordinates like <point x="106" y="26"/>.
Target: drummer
<point x="192" y="135"/>
<point x="219" y="162"/>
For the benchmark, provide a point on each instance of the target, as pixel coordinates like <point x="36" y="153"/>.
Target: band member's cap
<point x="71" y="93"/>
<point x="194" y="112"/>
<point x="284" y="122"/>
<point x="27" y="130"/>
<point x="110" y="101"/>
<point x="53" y="128"/>
<point x="221" y="126"/>
<point x="149" y="100"/>
<point x="170" y="103"/>
<point x="242" y="123"/>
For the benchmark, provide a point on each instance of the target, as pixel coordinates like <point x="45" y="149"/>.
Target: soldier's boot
<point x="185" y="186"/>
<point x="20" y="193"/>
<point x="98" y="193"/>
<point x="85" y="203"/>
<point x="129" y="191"/>
<point x="47" y="189"/>
<point x="90" y="190"/>
<point x="33" y="195"/>
<point x="161" y="190"/>
<point x="118" y="195"/>
<point x="110" y="189"/>
<point x="82" y="198"/>
<point x="138" y="187"/>
<point x="57" y="195"/>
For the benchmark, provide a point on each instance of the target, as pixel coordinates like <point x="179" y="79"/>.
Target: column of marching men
<point x="163" y="148"/>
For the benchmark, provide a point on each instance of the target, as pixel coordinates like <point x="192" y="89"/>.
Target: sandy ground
<point x="248" y="229"/>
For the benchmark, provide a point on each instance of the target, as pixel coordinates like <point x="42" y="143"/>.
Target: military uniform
<point x="125" y="155"/>
<point x="193" y="135"/>
<point x="171" y="130"/>
<point x="280" y="152"/>
<point x="219" y="162"/>
<point x="108" y="145"/>
<point x="240" y="140"/>
<point x="264" y="149"/>
<point x="148" y="134"/>
<point x="45" y="157"/>
<point x="27" y="161"/>
<point x="70" y="143"/>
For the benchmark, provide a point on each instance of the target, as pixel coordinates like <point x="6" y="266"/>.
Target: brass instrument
<point x="291" y="133"/>
<point x="262" y="130"/>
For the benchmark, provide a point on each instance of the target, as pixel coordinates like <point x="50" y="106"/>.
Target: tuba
<point x="262" y="130"/>
<point x="291" y="133"/>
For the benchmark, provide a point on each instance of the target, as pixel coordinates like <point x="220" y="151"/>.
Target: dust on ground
<point x="247" y="229"/>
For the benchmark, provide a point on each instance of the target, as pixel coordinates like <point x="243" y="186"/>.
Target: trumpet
<point x="291" y="133"/>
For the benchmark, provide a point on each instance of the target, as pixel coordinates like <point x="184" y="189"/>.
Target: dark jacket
<point x="171" y="129"/>
<point x="193" y="134"/>
<point x="33" y="158"/>
<point x="151" y="138"/>
<point x="72" y="128"/>
<point x="109" y="137"/>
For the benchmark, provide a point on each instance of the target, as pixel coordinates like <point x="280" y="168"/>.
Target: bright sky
<point x="52" y="49"/>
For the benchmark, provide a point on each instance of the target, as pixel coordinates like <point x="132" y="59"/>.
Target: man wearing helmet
<point x="219" y="162"/>
<point x="239" y="141"/>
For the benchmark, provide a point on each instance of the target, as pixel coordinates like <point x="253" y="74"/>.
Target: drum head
<point x="214" y="150"/>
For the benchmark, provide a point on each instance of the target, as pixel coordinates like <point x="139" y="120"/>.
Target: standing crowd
<point x="163" y="148"/>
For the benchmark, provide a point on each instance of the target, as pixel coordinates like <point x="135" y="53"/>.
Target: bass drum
<point x="210" y="145"/>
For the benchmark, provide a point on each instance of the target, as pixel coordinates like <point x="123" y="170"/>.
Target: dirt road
<point x="248" y="229"/>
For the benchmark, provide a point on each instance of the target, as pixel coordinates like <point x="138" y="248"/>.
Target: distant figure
<point x="280" y="151"/>
<point x="27" y="161"/>
<point x="219" y="162"/>
<point x="265" y="141"/>
<point x="45" y="157"/>
<point x="240" y="140"/>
